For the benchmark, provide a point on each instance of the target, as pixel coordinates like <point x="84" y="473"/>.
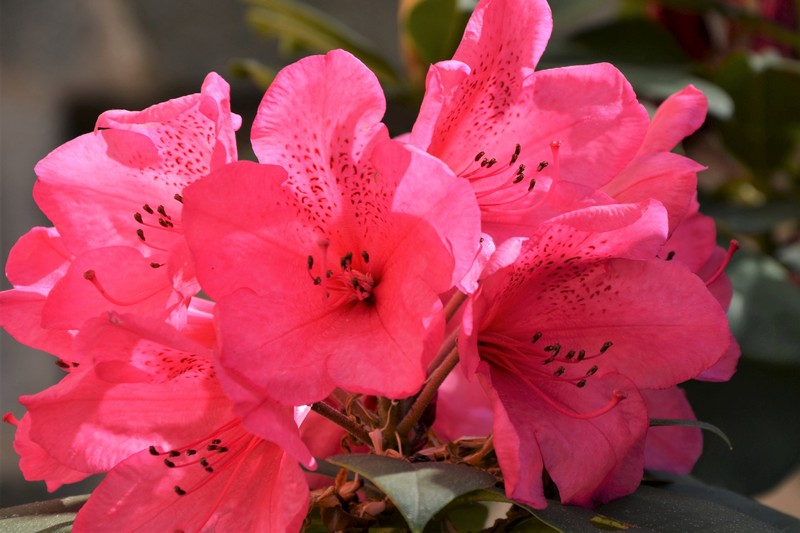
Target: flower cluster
<point x="527" y="267"/>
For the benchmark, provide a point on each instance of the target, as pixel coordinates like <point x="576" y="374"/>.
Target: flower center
<point x="351" y="281"/>
<point x="535" y="360"/>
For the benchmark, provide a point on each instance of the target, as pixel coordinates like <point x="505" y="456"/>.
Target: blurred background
<point x="63" y="63"/>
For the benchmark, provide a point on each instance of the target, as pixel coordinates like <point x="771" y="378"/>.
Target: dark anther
<point x="138" y="218"/>
<point x="179" y="491"/>
<point x="209" y="469"/>
<point x="155" y="265"/>
<point x="191" y="452"/>
<point x="204" y="462"/>
<point x="163" y="223"/>
<point x="581" y="384"/>
<point x="153" y="450"/>
<point x="570" y="354"/>
<point x="354" y="281"/>
<point x="521" y="169"/>
<point x="222" y="449"/>
<point x="211" y="447"/>
<point x="148" y="209"/>
<point x="591" y="371"/>
<point x="162" y="211"/>
<point x="555" y="348"/>
<point x="317" y="280"/>
<point x="216" y="441"/>
<point x="531" y="185"/>
<point x="484" y="162"/>
<point x="549" y="359"/>
<point x="514" y="157"/>
<point x="174" y="453"/>
<point x="519" y="177"/>
<point x="606" y="346"/>
<point x="559" y="371"/>
<point x="89" y="274"/>
<point x="478" y="157"/>
<point x="140" y="233"/>
<point x="491" y="163"/>
<point x="345" y="261"/>
<point x="581" y="355"/>
<point x="75" y="365"/>
<point x="670" y="255"/>
<point x="365" y="256"/>
<point x="329" y="273"/>
<point x="169" y="463"/>
<point x="542" y="166"/>
<point x="537" y="336"/>
<point x="178" y="197"/>
<point x="62" y="364"/>
<point x="310" y="262"/>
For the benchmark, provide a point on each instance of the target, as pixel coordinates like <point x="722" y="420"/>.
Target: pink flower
<point x="114" y="196"/>
<point x="145" y="406"/>
<point x="532" y="144"/>
<point x="564" y="337"/>
<point x="328" y="273"/>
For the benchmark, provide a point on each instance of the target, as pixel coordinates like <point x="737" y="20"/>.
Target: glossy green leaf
<point x="765" y="130"/>
<point x="765" y="311"/>
<point x="299" y="26"/>
<point x="53" y="516"/>
<point x="418" y="490"/>
<point x="757" y="410"/>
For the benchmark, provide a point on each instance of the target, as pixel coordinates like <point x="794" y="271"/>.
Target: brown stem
<point x="448" y="344"/>
<point x="428" y="392"/>
<point x="337" y="417"/>
<point x="453" y="304"/>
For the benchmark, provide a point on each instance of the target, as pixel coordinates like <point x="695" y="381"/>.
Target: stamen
<point x="179" y="491"/>
<point x="606" y="346"/>
<point x="365" y="256"/>
<point x="542" y="166"/>
<point x="670" y="256"/>
<point x="537" y="336"/>
<point x="138" y="217"/>
<point x="91" y="276"/>
<point x="732" y="247"/>
<point x="148" y="209"/>
<point x="178" y="197"/>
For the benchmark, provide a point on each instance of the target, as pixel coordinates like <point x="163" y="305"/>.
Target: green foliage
<point x="419" y="490"/>
<point x="53" y="516"/>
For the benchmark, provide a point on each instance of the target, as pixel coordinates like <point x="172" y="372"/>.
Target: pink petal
<point x="101" y="180"/>
<point x="692" y="242"/>
<point x="36" y="464"/>
<point x="677" y="117"/>
<point x="590" y="460"/>
<point x="254" y="487"/>
<point x="671" y="448"/>
<point x="462" y="408"/>
<point x="86" y="421"/>
<point x="117" y="279"/>
<point x="316" y="121"/>
<point x="21" y="317"/>
<point x="669" y="178"/>
<point x="38" y="259"/>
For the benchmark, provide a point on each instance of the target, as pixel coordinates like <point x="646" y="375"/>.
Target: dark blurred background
<point x="63" y="63"/>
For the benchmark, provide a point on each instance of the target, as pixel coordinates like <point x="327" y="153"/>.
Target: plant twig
<point x="338" y="418"/>
<point x="428" y="392"/>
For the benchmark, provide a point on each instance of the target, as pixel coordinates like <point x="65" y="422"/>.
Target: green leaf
<point x="766" y="127"/>
<point x="434" y="28"/>
<point x="418" y="490"/>
<point x="299" y="26"/>
<point x="765" y="310"/>
<point x="655" y="422"/>
<point x="52" y="516"/>
<point x="253" y="70"/>
<point x="756" y="410"/>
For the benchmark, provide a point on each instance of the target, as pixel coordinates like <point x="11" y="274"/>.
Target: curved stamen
<point x="732" y="247"/>
<point x="91" y="276"/>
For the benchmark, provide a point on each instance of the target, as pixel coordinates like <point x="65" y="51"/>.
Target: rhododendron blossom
<point x="145" y="406"/>
<point x="327" y="270"/>
<point x="532" y="144"/>
<point x="114" y="196"/>
<point x="563" y="338"/>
